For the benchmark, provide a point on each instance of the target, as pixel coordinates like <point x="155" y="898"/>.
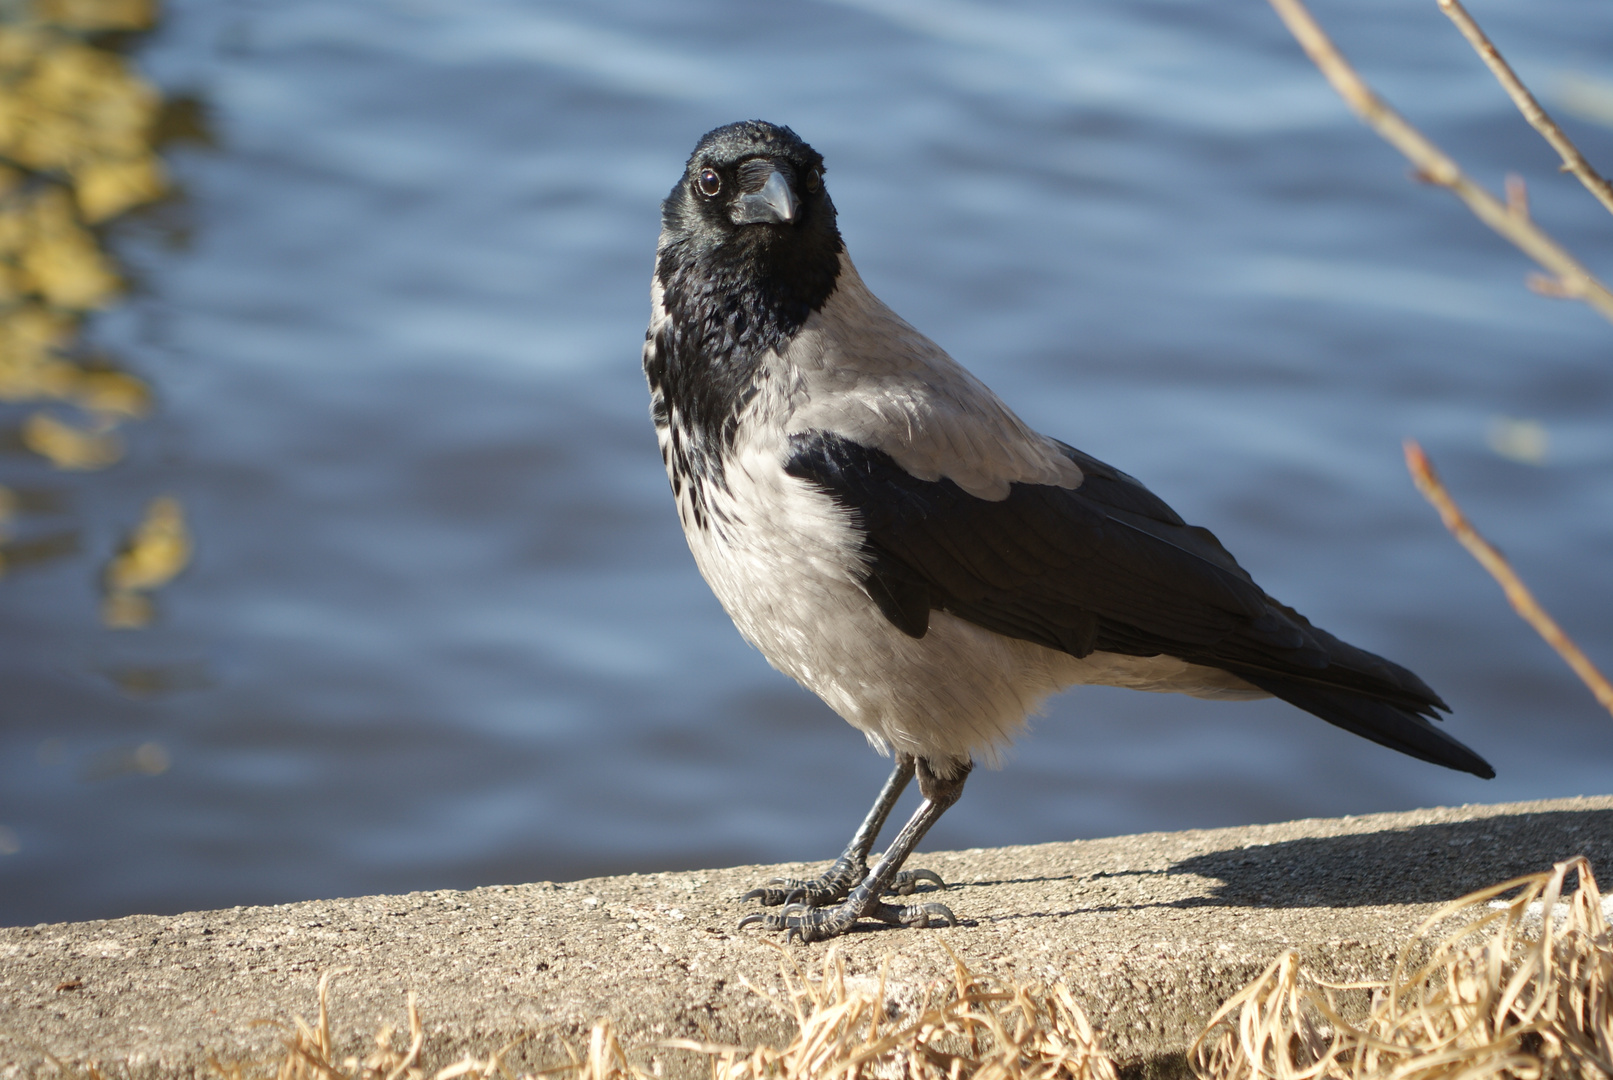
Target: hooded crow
<point x="887" y="532"/>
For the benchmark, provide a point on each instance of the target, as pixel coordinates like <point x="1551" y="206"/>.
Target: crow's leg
<point x="818" y="923"/>
<point x="847" y="871"/>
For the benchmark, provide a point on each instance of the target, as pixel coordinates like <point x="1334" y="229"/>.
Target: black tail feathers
<point x="1395" y="726"/>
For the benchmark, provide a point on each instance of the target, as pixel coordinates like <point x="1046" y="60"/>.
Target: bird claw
<point x="768" y="922"/>
<point x="806" y="924"/>
<point x="916" y="915"/>
<point x="786" y="891"/>
<point x="769" y="896"/>
<point x="906" y="883"/>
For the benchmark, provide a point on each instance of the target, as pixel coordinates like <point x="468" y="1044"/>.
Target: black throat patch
<point x="732" y="293"/>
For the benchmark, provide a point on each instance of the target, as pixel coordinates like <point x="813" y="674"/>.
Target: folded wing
<point x="1107" y="567"/>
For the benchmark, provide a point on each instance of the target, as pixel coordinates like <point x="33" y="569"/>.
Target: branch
<point x="1573" y="160"/>
<point x="1522" y="600"/>
<point x="1436" y="167"/>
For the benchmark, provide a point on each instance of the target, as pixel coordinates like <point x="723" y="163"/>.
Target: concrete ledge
<point x="1151" y="932"/>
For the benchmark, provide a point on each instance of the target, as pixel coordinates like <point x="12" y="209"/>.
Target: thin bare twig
<point x="1522" y="600"/>
<point x="1437" y="167"/>
<point x="1517" y="196"/>
<point x="1573" y="160"/>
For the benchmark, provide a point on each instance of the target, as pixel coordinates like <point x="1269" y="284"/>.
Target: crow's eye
<point x="814" y="178"/>
<point x="709" y="183"/>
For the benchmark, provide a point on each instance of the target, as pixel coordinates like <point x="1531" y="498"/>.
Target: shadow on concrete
<point x="1423" y="864"/>
<point x="1420" y="864"/>
<point x="985" y="882"/>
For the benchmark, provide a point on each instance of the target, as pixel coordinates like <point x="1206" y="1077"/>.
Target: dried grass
<point x="311" y="1053"/>
<point x="972" y="1027"/>
<point x="1512" y="981"/>
<point x="1519" y="988"/>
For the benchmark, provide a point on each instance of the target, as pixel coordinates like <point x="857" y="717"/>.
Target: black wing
<point x="1107" y="567"/>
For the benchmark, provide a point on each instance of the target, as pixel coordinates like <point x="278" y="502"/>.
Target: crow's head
<point x="751" y="211"/>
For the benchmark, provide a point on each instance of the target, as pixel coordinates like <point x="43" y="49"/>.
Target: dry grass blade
<point x="311" y="1053"/>
<point x="1518" y="594"/>
<point x="1539" y="119"/>
<point x="1435" y="166"/>
<point x="607" y="1059"/>
<point x="1519" y="988"/>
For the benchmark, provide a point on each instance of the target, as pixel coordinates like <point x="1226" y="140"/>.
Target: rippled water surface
<point x="440" y="627"/>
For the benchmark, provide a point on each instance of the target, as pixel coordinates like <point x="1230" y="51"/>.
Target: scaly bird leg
<point x="851" y="867"/>
<point x="815" y="923"/>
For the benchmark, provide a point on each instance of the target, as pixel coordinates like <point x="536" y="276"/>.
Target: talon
<point x="771" y="897"/>
<point x="929" y="915"/>
<point x="906" y="883"/>
<point x="793" y="894"/>
<point x="753" y="917"/>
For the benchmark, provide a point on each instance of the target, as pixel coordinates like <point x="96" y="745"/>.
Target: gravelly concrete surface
<point x="1151" y="932"/>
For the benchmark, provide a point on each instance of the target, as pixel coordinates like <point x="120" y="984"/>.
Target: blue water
<point x="442" y="629"/>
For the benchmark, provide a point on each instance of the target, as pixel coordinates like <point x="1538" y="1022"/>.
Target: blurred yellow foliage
<point x="75" y="150"/>
<point x="28" y="370"/>
<point x="76" y="126"/>
<point x="156" y="552"/>
<point x="107" y="188"/>
<point x="96" y="15"/>
<point x="111" y="393"/>
<point x="127" y="611"/>
<point x="69" y="447"/>
<point x="68" y="107"/>
<point x="60" y="260"/>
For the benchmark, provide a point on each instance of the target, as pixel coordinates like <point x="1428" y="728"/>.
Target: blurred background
<point x="338" y="555"/>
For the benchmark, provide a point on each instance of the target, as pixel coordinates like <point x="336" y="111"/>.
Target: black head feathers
<point x="751" y="216"/>
<point x="749" y="250"/>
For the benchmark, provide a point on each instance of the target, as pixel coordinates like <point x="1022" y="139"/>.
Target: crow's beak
<point x="775" y="203"/>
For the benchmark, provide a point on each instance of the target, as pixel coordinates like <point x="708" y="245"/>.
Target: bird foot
<point x="809" y="924"/>
<point x="835" y="885"/>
